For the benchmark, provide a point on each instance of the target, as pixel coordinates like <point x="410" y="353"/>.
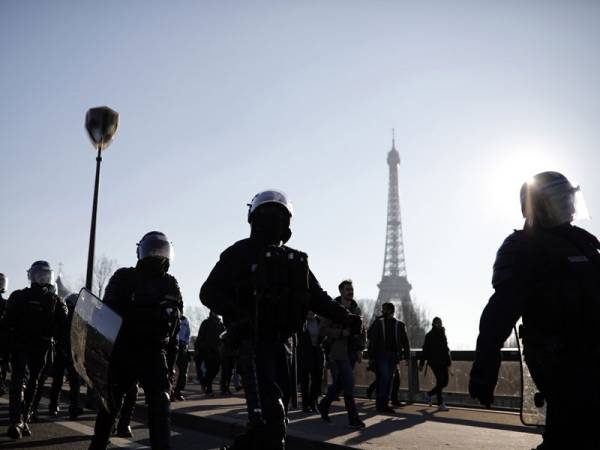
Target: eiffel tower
<point x="394" y="286"/>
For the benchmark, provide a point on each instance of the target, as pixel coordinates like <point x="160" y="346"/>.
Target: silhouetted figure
<point x="149" y="300"/>
<point x="208" y="350"/>
<point x="345" y="348"/>
<point x="311" y="362"/>
<point x="548" y="274"/>
<point x="388" y="345"/>
<point x="264" y="289"/>
<point x="183" y="359"/>
<point x="34" y="317"/>
<point x="437" y="355"/>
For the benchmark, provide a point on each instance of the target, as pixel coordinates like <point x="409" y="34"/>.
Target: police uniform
<point x="150" y="303"/>
<point x="228" y="292"/>
<point x="34" y="317"/>
<point x="549" y="276"/>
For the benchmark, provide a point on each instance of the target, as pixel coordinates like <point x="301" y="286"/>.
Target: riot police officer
<point x="264" y="289"/>
<point x="548" y="273"/>
<point x="149" y="301"/>
<point x="35" y="316"/>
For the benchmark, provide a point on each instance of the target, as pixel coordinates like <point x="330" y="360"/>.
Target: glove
<point x="481" y="391"/>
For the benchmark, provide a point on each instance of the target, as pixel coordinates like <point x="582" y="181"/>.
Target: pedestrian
<point x="388" y="345"/>
<point x="264" y="289"/>
<point x="35" y="316"/>
<point x="548" y="273"/>
<point x="345" y="349"/>
<point x="436" y="354"/>
<point x="208" y="350"/>
<point x="183" y="359"/>
<point x="311" y="361"/>
<point x="149" y="301"/>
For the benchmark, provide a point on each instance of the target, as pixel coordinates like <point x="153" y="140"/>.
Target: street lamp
<point x="101" y="124"/>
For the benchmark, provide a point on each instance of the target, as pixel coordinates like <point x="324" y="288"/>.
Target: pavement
<point x="205" y="423"/>
<point x="59" y="433"/>
<point x="415" y="426"/>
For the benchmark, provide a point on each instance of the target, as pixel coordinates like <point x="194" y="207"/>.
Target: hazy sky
<point x="219" y="100"/>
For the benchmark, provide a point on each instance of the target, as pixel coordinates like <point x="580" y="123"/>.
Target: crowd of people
<point x="155" y="337"/>
<point x="264" y="299"/>
<point x="322" y="344"/>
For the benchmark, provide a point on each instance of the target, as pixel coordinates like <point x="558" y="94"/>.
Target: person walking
<point x="149" y="300"/>
<point x="436" y="354"/>
<point x="207" y="347"/>
<point x="388" y="345"/>
<point x="183" y="360"/>
<point x="264" y="290"/>
<point x="35" y="317"/>
<point x="548" y="273"/>
<point x="311" y="361"/>
<point x="345" y="346"/>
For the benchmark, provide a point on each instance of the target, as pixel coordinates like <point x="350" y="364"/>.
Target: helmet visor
<point x="563" y="203"/>
<point x="156" y="248"/>
<point x="41" y="276"/>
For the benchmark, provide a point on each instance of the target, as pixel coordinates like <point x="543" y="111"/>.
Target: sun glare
<point x="514" y="166"/>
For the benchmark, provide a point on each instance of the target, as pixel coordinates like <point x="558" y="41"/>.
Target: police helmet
<point x="549" y="199"/>
<point x="155" y="245"/>
<point x="3" y="283"/>
<point x="270" y="196"/>
<point x="41" y="273"/>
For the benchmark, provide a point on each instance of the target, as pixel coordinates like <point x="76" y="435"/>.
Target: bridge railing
<point x="414" y="384"/>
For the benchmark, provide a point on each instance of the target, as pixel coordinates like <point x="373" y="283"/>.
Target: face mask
<point x="271" y="228"/>
<point x="154" y="266"/>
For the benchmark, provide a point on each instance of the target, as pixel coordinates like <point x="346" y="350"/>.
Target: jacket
<point x="338" y="346"/>
<point x="435" y="349"/>
<point x="378" y="338"/>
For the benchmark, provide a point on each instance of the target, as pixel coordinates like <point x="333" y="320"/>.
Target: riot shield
<point x="533" y="406"/>
<point x="94" y="329"/>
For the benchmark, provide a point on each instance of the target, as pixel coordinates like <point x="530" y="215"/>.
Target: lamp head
<point x="101" y="124"/>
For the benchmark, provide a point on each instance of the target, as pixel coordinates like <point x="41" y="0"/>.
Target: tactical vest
<point x="562" y="313"/>
<point x="38" y="311"/>
<point x="281" y="292"/>
<point x="152" y="313"/>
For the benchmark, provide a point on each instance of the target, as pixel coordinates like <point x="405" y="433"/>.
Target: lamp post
<point x="101" y="124"/>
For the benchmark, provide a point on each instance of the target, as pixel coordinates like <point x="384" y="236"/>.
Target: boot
<point x="124" y="430"/>
<point x="75" y="412"/>
<point x="15" y="431"/>
<point x="26" y="431"/>
<point x="53" y="410"/>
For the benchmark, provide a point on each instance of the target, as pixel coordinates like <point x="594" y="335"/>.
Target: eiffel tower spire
<point x="394" y="286"/>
